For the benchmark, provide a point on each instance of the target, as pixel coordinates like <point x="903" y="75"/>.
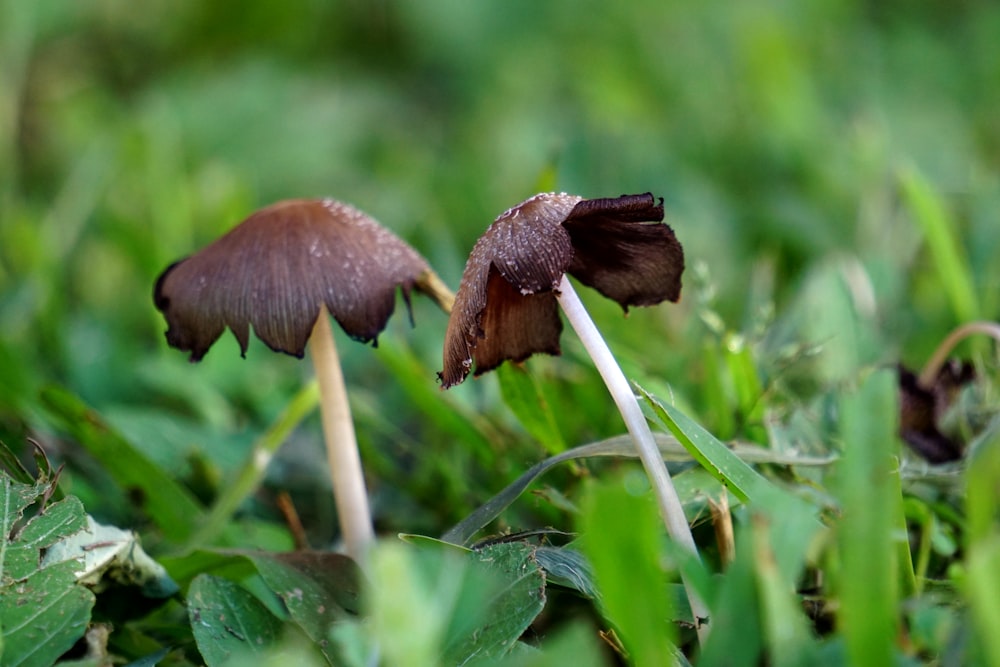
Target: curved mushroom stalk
<point x="635" y="422"/>
<point x="671" y="509"/>
<point x="933" y="366"/>
<point x="924" y="399"/>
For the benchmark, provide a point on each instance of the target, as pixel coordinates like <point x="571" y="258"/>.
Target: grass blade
<point x="634" y="598"/>
<point x="789" y="640"/>
<point x="254" y="467"/>
<point x="619" y="446"/>
<point x="983" y="583"/>
<point x="983" y="560"/>
<point x="711" y="453"/>
<point x="524" y="397"/>
<point x="455" y="418"/>
<point x="172" y="507"/>
<point x="868" y="585"/>
<point x="799" y="519"/>
<point x="940" y="231"/>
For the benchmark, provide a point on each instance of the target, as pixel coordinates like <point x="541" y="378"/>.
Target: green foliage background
<point x="788" y="139"/>
<point x="776" y="131"/>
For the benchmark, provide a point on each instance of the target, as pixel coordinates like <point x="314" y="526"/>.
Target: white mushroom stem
<point x="669" y="503"/>
<point x="342" y="454"/>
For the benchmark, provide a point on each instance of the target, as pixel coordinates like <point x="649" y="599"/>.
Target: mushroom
<point x="506" y="305"/>
<point x="921" y="410"/>
<point x="925" y="398"/>
<point x="283" y="270"/>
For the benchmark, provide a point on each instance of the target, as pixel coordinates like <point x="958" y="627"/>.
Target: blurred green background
<point x="782" y="135"/>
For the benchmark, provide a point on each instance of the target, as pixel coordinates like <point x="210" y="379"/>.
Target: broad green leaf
<point x="524" y="398"/>
<point x="565" y="566"/>
<point x="22" y="545"/>
<point x="431" y="606"/>
<point x="228" y="621"/>
<point x="172" y="507"/>
<point x="43" y="615"/>
<point x="20" y="555"/>
<point x="515" y="600"/>
<point x="311" y="590"/>
<point x="14" y="499"/>
<point x="43" y="611"/>
<point x="627" y="560"/>
<point x="576" y="645"/>
<point x="318" y="588"/>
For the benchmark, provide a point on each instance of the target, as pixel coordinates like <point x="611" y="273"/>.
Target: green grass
<point x="829" y="167"/>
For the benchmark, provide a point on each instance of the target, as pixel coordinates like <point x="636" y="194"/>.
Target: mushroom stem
<point x="930" y="372"/>
<point x="431" y="284"/>
<point x="341" y="444"/>
<point x="670" y="505"/>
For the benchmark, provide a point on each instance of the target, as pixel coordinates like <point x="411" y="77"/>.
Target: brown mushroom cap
<point x="506" y="309"/>
<point x="275" y="269"/>
<point x="921" y="410"/>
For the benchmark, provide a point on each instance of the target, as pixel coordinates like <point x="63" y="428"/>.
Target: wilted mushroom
<point x="506" y="305"/>
<point x="924" y="399"/>
<point x="921" y="409"/>
<point x="282" y="271"/>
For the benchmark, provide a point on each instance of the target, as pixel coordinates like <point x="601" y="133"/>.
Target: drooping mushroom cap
<point x="275" y="269"/>
<point x="506" y="307"/>
<point x="921" y="411"/>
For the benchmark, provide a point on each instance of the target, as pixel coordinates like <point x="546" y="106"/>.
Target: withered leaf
<point x="275" y="269"/>
<point x="506" y="308"/>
